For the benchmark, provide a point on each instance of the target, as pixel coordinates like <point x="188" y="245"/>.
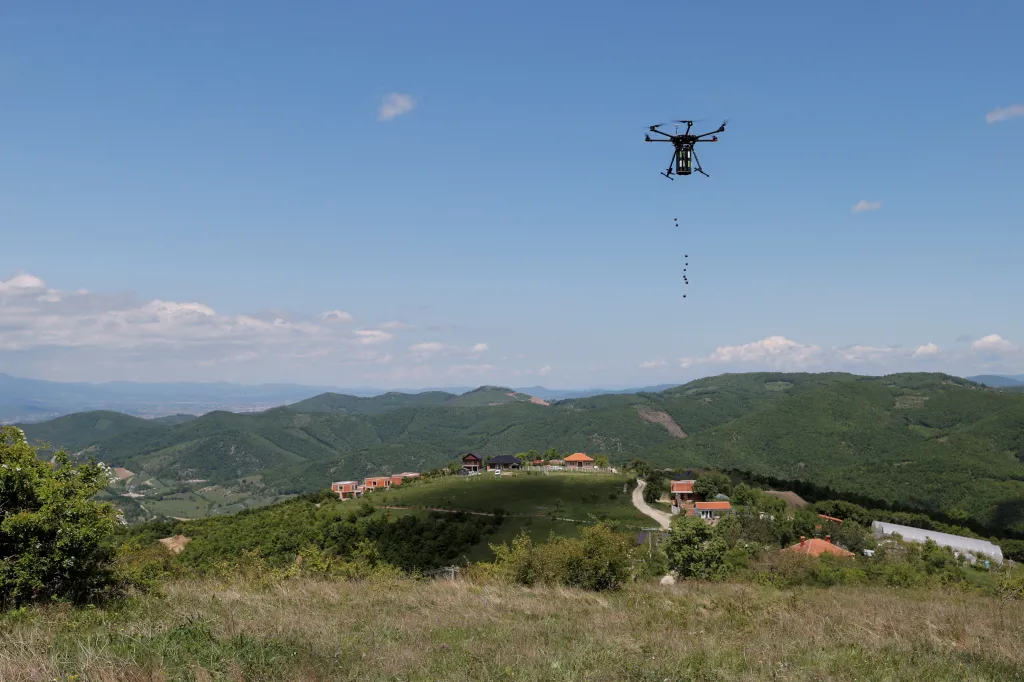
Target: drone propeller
<point x="658" y="125"/>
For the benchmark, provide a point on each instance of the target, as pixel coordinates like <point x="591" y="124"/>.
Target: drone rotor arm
<point x="661" y="132"/>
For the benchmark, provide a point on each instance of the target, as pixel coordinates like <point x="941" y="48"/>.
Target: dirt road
<point x="663" y="519"/>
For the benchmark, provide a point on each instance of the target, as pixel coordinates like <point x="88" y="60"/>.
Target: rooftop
<point x="579" y="457"/>
<point x="816" y="547"/>
<point x="712" y="506"/>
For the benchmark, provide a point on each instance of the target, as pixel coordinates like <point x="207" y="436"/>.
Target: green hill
<point x="930" y="440"/>
<point x="485" y="396"/>
<point x="77" y="431"/>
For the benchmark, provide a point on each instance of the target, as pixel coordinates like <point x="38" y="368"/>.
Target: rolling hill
<point x="932" y="440"/>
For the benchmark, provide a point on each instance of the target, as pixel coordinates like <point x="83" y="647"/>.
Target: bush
<point x="599" y="560"/>
<point x="56" y="543"/>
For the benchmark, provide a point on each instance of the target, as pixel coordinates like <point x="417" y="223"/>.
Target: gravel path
<point x="665" y="520"/>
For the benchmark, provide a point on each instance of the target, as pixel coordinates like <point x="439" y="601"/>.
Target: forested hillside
<point x="932" y="440"/>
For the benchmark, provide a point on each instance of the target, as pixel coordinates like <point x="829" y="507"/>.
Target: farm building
<point x="682" y="491"/>
<point x="377" y="482"/>
<point x="710" y="510"/>
<point x="347" y="489"/>
<point x="958" y="543"/>
<point x="579" y="461"/>
<point x="503" y="462"/>
<point x="472" y="462"/>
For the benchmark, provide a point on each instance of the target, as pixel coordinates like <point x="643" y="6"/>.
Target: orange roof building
<point x="709" y="510"/>
<point x="816" y="547"/>
<point x="579" y="461"/>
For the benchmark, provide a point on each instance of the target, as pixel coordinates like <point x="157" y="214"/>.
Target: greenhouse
<point x="981" y="549"/>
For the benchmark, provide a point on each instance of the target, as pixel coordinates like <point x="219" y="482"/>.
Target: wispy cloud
<point x="336" y="316"/>
<point x="778" y="353"/>
<point x="863" y="205"/>
<point x="395" y="104"/>
<point x="1004" y="113"/>
<point x="653" y="364"/>
<point x="81" y="335"/>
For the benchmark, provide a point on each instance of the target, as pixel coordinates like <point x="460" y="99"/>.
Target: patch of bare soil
<point x="176" y="543"/>
<point x="663" y="418"/>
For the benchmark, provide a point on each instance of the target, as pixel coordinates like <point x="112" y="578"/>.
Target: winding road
<point x="663" y="519"/>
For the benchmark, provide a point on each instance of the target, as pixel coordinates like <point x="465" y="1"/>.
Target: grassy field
<point x="314" y="631"/>
<point x="582" y="497"/>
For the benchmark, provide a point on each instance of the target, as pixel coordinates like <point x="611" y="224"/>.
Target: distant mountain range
<point x="33" y="400"/>
<point x="1000" y="381"/>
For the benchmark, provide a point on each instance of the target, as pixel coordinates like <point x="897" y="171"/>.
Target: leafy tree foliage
<point x="712" y="483"/>
<point x="695" y="549"/>
<point x="657" y="485"/>
<point x="56" y="543"/>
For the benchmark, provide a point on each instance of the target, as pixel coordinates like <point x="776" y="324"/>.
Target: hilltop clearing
<point x="928" y="440"/>
<point x="579" y="497"/>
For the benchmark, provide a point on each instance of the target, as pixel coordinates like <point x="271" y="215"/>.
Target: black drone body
<point x="683" y="154"/>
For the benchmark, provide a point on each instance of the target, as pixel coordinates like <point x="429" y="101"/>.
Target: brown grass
<point x="304" y="629"/>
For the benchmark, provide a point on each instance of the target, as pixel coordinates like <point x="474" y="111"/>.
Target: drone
<point x="683" y="156"/>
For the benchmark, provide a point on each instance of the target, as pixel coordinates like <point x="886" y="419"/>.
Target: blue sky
<point x="186" y="189"/>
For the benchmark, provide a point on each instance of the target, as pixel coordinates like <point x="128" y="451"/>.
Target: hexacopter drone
<point x="683" y="155"/>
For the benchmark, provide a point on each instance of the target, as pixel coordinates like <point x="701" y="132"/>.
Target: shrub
<point x="599" y="560"/>
<point x="56" y="543"/>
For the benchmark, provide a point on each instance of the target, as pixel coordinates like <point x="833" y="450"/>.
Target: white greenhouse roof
<point x="956" y="542"/>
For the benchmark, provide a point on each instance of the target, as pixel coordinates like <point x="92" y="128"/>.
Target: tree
<point x="56" y="542"/>
<point x="712" y="483"/>
<point x="640" y="467"/>
<point x="695" y="550"/>
<point x="551" y="454"/>
<point x="601" y="461"/>
<point x="656" y="486"/>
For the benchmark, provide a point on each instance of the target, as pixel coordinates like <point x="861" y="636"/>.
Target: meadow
<point x="400" y="629"/>
<point x="587" y="497"/>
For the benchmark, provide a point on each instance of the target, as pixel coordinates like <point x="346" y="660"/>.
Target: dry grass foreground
<point x="308" y="630"/>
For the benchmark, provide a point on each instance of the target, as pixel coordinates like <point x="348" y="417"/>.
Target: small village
<point x="683" y="500"/>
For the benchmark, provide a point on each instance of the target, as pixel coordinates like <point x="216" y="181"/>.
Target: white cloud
<point x="53" y="328"/>
<point x="21" y="283"/>
<point x="427" y="348"/>
<point x="398" y="326"/>
<point x="1004" y="113"/>
<point x="926" y="350"/>
<point x="395" y="104"/>
<point x="336" y="316"/>
<point x="860" y="353"/>
<point x="652" y="364"/>
<point x="993" y="343"/>
<point x="371" y="336"/>
<point x="479" y="348"/>
<point x="543" y="371"/>
<point x="774" y="351"/>
<point x="863" y="205"/>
